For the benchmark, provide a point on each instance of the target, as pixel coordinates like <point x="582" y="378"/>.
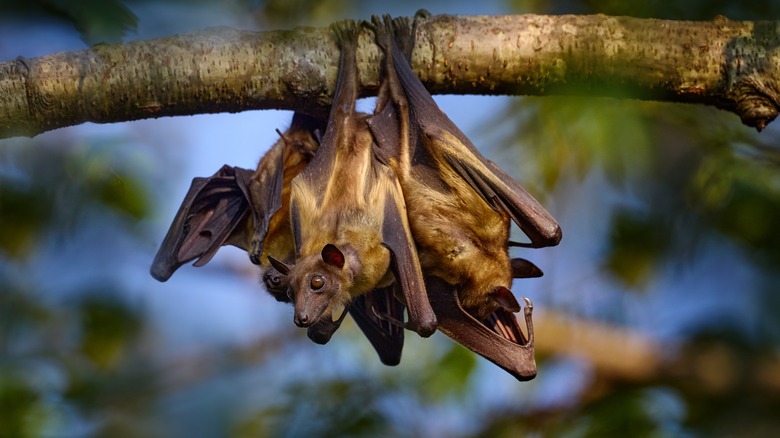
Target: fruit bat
<point x="348" y="217"/>
<point x="460" y="206"/>
<point x="250" y="210"/>
<point x="240" y="207"/>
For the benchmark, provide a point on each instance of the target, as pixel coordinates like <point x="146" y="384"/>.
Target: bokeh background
<point x="658" y="315"/>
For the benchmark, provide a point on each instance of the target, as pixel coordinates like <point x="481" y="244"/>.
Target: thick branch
<point x="731" y="65"/>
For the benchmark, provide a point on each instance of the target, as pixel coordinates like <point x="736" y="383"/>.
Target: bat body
<point x="244" y="208"/>
<point x="349" y="217"/>
<point x="251" y="210"/>
<point x="460" y="206"/>
<point x="297" y="147"/>
<point x="342" y="227"/>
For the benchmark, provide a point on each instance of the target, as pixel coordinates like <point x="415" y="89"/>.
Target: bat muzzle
<point x="303" y="319"/>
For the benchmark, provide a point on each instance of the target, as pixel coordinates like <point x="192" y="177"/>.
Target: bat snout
<point x="303" y="319"/>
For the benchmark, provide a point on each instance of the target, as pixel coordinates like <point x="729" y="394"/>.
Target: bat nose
<point x="302" y="319"/>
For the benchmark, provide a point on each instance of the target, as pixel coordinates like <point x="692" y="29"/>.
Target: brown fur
<point x="338" y="207"/>
<point x="460" y="238"/>
<point x="298" y="146"/>
<point x="349" y="216"/>
<point x="460" y="203"/>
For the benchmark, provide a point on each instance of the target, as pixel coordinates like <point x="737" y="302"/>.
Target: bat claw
<point x="422" y="14"/>
<point x="529" y="323"/>
<point x="388" y="318"/>
<point x="423" y="330"/>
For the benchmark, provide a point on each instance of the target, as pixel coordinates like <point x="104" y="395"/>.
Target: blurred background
<point x="658" y="315"/>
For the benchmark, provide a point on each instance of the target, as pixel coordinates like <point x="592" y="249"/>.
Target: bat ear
<point x="333" y="256"/>
<point x="280" y="266"/>
<point x="505" y="299"/>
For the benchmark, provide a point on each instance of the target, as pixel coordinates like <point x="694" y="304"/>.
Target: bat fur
<point x="349" y="216"/>
<point x="460" y="206"/>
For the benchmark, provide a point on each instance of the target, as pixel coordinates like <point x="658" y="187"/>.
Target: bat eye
<point x="316" y="282"/>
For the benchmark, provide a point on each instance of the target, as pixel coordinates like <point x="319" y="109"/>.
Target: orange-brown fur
<point x="299" y="146"/>
<point x="349" y="215"/>
<point x="460" y="237"/>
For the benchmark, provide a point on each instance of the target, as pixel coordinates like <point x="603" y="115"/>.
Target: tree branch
<point x="731" y="65"/>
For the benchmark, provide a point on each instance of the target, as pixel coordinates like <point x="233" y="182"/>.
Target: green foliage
<point x="22" y="412"/>
<point x="451" y="377"/>
<point x="26" y="214"/>
<point x="63" y="353"/>
<point x="97" y="21"/>
<point x="35" y="201"/>
<point x="107" y="324"/>
<point x="682" y="175"/>
<point x="292" y="13"/>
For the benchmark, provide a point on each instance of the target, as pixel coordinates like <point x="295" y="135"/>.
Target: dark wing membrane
<point x="516" y="356"/>
<point x="213" y="209"/>
<point x="522" y="268"/>
<point x="374" y="313"/>
<point x="264" y="191"/>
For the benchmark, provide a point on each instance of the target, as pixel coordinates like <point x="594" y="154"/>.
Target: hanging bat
<point x="460" y="206"/>
<point x="250" y="210"/>
<point x="241" y="207"/>
<point x="349" y="217"/>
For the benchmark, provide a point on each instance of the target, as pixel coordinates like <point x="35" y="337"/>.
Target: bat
<point x="240" y="207"/>
<point x="460" y="206"/>
<point x="348" y="216"/>
<point x="250" y="210"/>
<point x="272" y="234"/>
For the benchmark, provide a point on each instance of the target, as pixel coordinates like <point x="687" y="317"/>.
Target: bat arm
<point x="405" y="262"/>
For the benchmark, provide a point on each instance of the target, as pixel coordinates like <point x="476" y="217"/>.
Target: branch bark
<point x="731" y="65"/>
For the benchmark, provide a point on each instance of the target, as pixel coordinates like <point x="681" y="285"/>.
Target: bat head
<point x="318" y="284"/>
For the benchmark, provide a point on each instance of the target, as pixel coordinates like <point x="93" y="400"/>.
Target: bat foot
<point x="422" y="14"/>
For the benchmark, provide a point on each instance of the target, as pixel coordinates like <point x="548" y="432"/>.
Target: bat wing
<point x="510" y="351"/>
<point x="213" y="213"/>
<point x="432" y="133"/>
<point x="265" y="195"/>
<point x="385" y="336"/>
<point x="342" y="118"/>
<point x="404" y="262"/>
